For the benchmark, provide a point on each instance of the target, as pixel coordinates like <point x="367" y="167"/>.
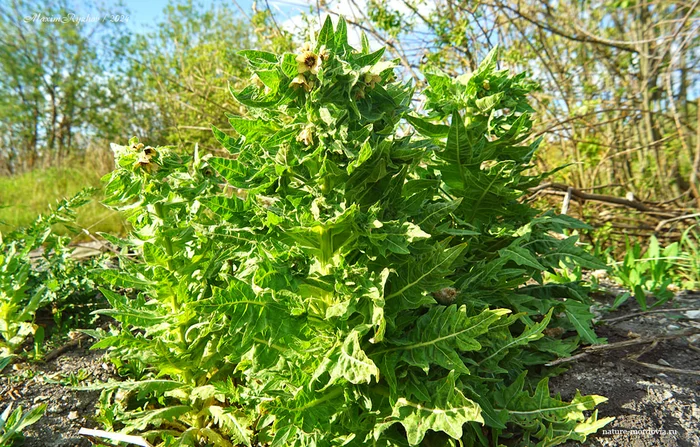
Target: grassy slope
<point x="24" y="197"/>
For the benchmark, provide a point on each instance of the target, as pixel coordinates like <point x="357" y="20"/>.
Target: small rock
<point x="662" y="375"/>
<point x="693" y="314"/>
<point x="663" y="362"/>
<point x="666" y="395"/>
<point x="695" y="339"/>
<point x="73" y="415"/>
<point x="599" y="274"/>
<point x="40" y="399"/>
<point x="673" y="327"/>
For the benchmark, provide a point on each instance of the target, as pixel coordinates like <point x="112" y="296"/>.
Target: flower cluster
<point x="144" y="158"/>
<point x="306" y="136"/>
<point x="308" y="62"/>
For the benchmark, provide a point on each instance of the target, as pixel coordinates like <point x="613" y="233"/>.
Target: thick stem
<point x="160" y="213"/>
<point x="326" y="251"/>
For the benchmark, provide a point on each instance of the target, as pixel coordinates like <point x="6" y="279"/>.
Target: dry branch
<point x="618" y="345"/>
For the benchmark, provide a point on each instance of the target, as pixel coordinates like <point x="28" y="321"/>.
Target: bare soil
<point x="652" y="384"/>
<point x="652" y="387"/>
<point x="50" y="383"/>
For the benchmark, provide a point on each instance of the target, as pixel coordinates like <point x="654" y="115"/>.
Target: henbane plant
<point x="37" y="271"/>
<point x="352" y="274"/>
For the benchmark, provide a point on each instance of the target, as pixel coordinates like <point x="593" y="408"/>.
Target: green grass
<point x="23" y="197"/>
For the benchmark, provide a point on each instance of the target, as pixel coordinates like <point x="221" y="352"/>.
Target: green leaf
<point x="486" y="104"/>
<point x="567" y="417"/>
<point x="488" y="65"/>
<point x="235" y="172"/>
<point x="426" y="276"/>
<point x="341" y="33"/>
<point x="580" y="316"/>
<point x="426" y="128"/>
<point x="520" y="256"/>
<point x="440" y="336"/>
<point x="4" y="361"/>
<point x="226" y="207"/>
<point x="501" y="347"/>
<point x="230" y="144"/>
<point x="259" y="58"/>
<point x="365" y="43"/>
<point x="250" y="96"/>
<point x="290" y="67"/>
<point x="140" y="420"/>
<point x="123" y="279"/>
<point x="235" y="424"/>
<point x="12" y="424"/>
<point x="371" y="58"/>
<point x="271" y="79"/>
<point x="435" y="213"/>
<point x="252" y="130"/>
<point x="458" y="149"/>
<point x="326" y="37"/>
<point x="448" y="411"/>
<point x="352" y="363"/>
<point x="571" y="255"/>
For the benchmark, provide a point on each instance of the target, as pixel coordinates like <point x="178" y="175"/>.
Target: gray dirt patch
<point x="67" y="409"/>
<point x="652" y="388"/>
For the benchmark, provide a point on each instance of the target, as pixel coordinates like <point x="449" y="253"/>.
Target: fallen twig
<point x="620" y="344"/>
<point x="634" y="358"/>
<point x="639" y="206"/>
<point x="638" y="314"/>
<point x="71" y="344"/>
<point x="666" y="221"/>
<point x="666" y="368"/>
<point x="65" y="348"/>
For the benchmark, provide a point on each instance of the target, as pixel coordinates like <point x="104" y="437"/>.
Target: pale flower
<point x="372" y="79"/>
<point x="301" y="81"/>
<point x="307" y="60"/>
<point x="144" y="159"/>
<point x="323" y="53"/>
<point x="306" y="136"/>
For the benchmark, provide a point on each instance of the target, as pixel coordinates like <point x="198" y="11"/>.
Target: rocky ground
<point x="650" y="372"/>
<point x="67" y="410"/>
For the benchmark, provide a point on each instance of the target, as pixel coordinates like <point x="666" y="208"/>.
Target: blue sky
<point x="145" y="13"/>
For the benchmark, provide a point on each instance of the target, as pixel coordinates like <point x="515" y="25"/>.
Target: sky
<point x="144" y="13"/>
